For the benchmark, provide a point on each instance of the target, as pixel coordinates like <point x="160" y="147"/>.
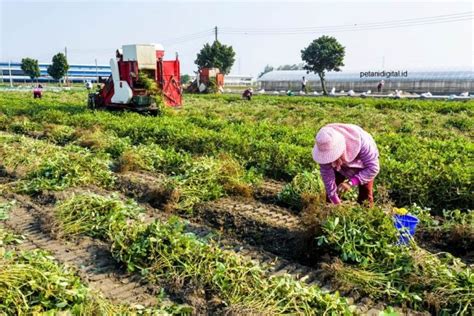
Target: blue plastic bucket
<point x="406" y="225"/>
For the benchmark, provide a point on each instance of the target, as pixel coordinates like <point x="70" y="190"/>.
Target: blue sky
<point x="94" y="29"/>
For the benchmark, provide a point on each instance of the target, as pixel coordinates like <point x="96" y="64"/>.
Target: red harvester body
<point x="126" y="88"/>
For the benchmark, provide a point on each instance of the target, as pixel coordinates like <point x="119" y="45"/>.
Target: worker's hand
<point x="344" y="187"/>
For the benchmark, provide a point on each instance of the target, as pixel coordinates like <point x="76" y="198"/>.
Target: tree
<point x="267" y="68"/>
<point x="323" y="54"/>
<point x="59" y="66"/>
<point x="185" y="79"/>
<point x="30" y="67"/>
<point x="216" y="55"/>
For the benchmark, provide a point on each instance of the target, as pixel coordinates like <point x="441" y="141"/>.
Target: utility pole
<point x="65" y="54"/>
<point x="96" y="71"/>
<point x="10" y="73"/>
<point x="215" y="32"/>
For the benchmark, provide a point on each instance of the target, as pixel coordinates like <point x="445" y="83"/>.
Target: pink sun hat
<point x="334" y="140"/>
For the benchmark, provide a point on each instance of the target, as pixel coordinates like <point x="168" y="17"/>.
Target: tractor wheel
<point x="153" y="112"/>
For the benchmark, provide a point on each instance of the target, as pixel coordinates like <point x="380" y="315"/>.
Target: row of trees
<point x="56" y="70"/>
<point x="323" y="54"/>
<point x="216" y="55"/>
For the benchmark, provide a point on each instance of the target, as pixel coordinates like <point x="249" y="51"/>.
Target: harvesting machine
<point x="207" y="80"/>
<point x="139" y="74"/>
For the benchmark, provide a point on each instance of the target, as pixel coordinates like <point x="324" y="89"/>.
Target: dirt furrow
<point x="268" y="191"/>
<point x="201" y="229"/>
<point x="272" y="227"/>
<point x="90" y="258"/>
<point x="268" y="226"/>
<point x="95" y="265"/>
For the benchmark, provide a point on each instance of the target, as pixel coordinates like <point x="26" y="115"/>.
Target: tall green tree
<point x="323" y="54"/>
<point x="59" y="66"/>
<point x="30" y="67"/>
<point x="216" y="55"/>
<point x="185" y="78"/>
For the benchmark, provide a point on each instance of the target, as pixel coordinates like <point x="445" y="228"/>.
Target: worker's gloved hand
<point x="344" y="187"/>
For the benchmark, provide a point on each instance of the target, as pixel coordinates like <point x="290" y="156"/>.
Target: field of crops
<point x="218" y="208"/>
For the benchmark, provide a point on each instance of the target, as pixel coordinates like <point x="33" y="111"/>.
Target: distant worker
<point x="348" y="157"/>
<point x="38" y="92"/>
<point x="380" y="86"/>
<point x="248" y="93"/>
<point x="303" y="84"/>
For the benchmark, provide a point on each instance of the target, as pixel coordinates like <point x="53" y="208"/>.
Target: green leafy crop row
<point x="165" y="251"/>
<point x="425" y="146"/>
<point x="42" y="166"/>
<point x="372" y="263"/>
<point x="34" y="283"/>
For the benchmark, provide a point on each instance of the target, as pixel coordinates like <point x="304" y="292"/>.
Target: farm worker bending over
<point x="348" y="156"/>
<point x="38" y="91"/>
<point x="247" y="94"/>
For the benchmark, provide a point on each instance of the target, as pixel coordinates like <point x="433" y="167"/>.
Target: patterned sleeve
<point x="369" y="156"/>
<point x="329" y="179"/>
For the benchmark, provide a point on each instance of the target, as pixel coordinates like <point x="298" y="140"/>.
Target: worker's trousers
<point x="366" y="191"/>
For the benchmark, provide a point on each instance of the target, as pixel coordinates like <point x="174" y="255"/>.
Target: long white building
<point x="417" y="81"/>
<point x="234" y="80"/>
<point x="76" y="72"/>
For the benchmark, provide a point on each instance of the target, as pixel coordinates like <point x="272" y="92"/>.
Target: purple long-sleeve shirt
<point x="361" y="170"/>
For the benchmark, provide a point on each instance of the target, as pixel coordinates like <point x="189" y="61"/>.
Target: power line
<point x="169" y="42"/>
<point x="191" y="36"/>
<point x="328" y="30"/>
<point x="423" y="19"/>
<point x="341" y="30"/>
<point x="438" y="19"/>
<point x="190" y="39"/>
<point x="353" y="27"/>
